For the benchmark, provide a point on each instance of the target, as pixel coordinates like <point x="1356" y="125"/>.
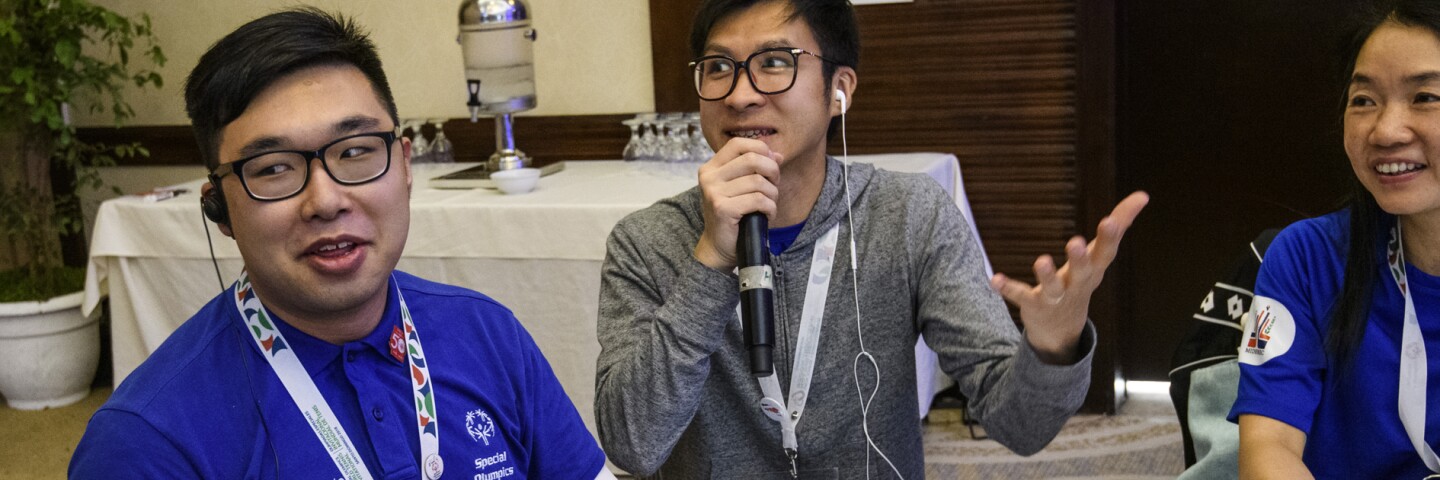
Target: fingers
<point x="742" y="156"/>
<point x="1010" y="289"/>
<point x="1077" y="253"/>
<point x="1052" y="287"/>
<point x="730" y="210"/>
<point x="1112" y="228"/>
<point x="740" y="179"/>
<point x="1083" y="262"/>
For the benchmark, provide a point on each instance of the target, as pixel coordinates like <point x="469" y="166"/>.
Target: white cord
<point x="859" y="334"/>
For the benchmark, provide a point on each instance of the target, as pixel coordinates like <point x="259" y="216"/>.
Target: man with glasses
<point x="675" y="397"/>
<point x="322" y="361"/>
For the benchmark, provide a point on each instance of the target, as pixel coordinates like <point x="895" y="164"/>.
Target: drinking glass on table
<point x="441" y="150"/>
<point x="632" y="148"/>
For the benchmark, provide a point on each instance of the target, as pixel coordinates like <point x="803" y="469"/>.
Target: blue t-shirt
<point x="1351" y="421"/>
<point x="206" y="404"/>
<point x="781" y="238"/>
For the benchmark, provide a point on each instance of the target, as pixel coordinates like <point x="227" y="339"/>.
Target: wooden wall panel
<point x="1229" y="114"/>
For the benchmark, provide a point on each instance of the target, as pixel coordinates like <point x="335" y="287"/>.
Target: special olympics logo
<point x="480" y="426"/>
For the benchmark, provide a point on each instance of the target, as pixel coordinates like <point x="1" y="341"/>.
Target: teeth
<point x="327" y="248"/>
<point x="752" y="134"/>
<point x="1397" y="167"/>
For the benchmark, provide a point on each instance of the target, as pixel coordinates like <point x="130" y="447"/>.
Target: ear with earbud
<point x="212" y="202"/>
<point x="840" y="96"/>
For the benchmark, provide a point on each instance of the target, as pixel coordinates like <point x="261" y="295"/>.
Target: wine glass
<point x="419" y="146"/>
<point x="441" y="150"/>
<point x="632" y="148"/>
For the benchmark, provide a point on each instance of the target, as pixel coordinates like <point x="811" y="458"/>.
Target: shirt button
<point x="349" y="356"/>
<point x="378" y="414"/>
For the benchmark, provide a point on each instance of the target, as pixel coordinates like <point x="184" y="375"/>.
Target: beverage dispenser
<point x="497" y="40"/>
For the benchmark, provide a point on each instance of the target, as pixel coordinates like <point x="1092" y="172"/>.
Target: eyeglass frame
<point x="234" y="167"/>
<point x="749" y="74"/>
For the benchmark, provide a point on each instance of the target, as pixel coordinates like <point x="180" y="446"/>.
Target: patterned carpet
<point x="1142" y="442"/>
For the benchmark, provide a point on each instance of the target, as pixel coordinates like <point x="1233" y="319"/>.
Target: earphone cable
<point x="859" y="334"/>
<point x="211" y="243"/>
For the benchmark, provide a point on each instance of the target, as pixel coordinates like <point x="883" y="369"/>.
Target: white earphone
<point x="855" y="291"/>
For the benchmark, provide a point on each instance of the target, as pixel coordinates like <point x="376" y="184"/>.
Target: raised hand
<point x="1055" y="308"/>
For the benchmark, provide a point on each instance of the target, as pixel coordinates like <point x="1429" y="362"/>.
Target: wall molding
<point x="547" y="139"/>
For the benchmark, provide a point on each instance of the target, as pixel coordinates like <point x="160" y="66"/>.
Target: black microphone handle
<point x="757" y="293"/>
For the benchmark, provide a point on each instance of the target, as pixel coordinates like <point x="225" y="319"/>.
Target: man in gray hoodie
<point x="674" y="394"/>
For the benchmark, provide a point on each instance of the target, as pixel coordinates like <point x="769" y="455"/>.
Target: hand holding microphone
<point x="738" y="185"/>
<point x="741" y="178"/>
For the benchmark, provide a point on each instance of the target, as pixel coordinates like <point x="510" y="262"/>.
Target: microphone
<point x="757" y="293"/>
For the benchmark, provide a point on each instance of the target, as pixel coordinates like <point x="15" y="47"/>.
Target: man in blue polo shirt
<point x="322" y="361"/>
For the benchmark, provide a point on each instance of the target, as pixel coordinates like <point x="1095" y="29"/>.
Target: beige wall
<point x="592" y="57"/>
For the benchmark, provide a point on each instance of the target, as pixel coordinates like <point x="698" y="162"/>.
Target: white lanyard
<point x="773" y="404"/>
<point x="1414" y="369"/>
<point x="281" y="357"/>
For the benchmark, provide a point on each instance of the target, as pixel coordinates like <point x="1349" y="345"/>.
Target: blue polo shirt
<point x="206" y="404"/>
<point x="1351" y="420"/>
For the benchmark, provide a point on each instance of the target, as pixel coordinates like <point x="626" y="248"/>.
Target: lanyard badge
<point x="282" y="359"/>
<point x="1414" y="370"/>
<point x="774" y="404"/>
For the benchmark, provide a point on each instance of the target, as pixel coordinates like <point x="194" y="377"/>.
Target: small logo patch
<point x="397" y="344"/>
<point x="1269" y="331"/>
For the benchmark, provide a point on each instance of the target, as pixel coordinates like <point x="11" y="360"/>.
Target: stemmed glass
<point x="632" y="148"/>
<point x="698" y="149"/>
<point x="441" y="150"/>
<point x="648" y="142"/>
<point x="677" y="133"/>
<point x="419" y="146"/>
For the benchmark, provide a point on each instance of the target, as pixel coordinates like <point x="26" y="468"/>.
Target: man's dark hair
<point x="241" y="65"/>
<point x="832" y="21"/>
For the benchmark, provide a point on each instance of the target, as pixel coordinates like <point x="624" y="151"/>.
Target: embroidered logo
<point x="1269" y="331"/>
<point x="479" y="425"/>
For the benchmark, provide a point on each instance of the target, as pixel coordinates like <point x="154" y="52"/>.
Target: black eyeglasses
<point x="282" y="174"/>
<point x="716" y="75"/>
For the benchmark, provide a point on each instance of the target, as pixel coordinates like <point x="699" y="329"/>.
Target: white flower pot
<point x="48" y="352"/>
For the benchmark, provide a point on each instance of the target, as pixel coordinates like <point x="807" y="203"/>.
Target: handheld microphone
<point x="757" y="293"/>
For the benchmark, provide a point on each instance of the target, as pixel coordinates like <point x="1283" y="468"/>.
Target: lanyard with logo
<point x="787" y="414"/>
<point x="312" y="405"/>
<point x="1413" y="365"/>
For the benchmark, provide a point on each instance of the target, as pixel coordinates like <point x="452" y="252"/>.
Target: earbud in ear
<point x="212" y="202"/>
<point x="840" y="95"/>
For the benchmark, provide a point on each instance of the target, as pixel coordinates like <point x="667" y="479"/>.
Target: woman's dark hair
<point x="1367" y="221"/>
<point x="244" y="63"/>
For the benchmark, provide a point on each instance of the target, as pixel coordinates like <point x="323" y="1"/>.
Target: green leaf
<point x="66" y="52"/>
<point x="21" y="75"/>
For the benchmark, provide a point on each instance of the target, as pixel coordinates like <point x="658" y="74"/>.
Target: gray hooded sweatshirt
<point x="674" y="394"/>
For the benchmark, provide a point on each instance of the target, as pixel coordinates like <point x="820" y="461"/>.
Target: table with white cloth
<point x="538" y="254"/>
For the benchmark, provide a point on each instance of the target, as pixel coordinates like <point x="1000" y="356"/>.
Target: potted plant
<point x="56" y="53"/>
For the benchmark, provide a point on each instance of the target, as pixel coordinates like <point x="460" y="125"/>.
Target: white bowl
<point x="516" y="181"/>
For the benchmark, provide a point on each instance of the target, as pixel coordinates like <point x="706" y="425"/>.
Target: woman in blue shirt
<point x="1325" y="390"/>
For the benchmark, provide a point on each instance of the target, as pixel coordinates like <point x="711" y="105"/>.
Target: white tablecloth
<point x="537" y="253"/>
